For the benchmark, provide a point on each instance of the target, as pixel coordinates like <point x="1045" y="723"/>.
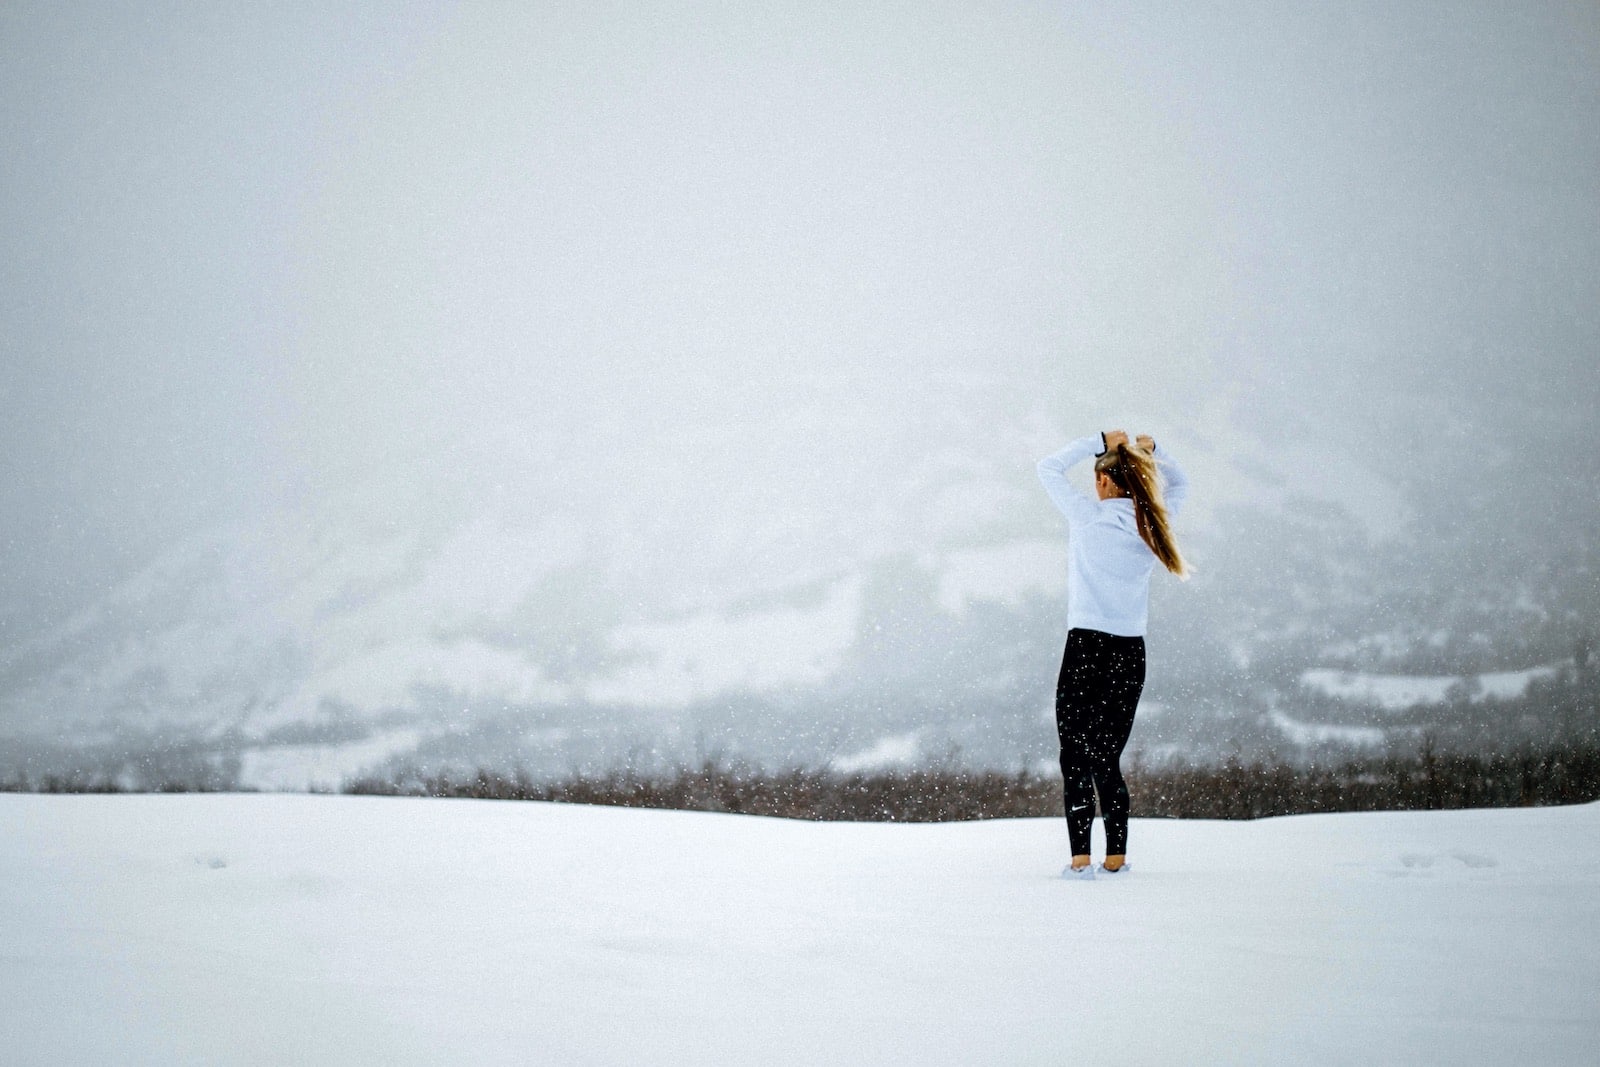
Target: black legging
<point x="1096" y="695"/>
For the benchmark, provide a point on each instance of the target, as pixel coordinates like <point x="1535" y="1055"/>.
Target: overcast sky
<point x="253" y="250"/>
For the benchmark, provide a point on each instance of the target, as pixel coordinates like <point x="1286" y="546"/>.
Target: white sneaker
<point x="1124" y="869"/>
<point x="1081" y="874"/>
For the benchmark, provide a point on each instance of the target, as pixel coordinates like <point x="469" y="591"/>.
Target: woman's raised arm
<point x="1174" y="482"/>
<point x="1075" y="504"/>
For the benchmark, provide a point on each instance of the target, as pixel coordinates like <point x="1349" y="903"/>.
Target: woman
<point x="1114" y="540"/>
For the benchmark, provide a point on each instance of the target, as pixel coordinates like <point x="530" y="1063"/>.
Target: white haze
<point x="622" y="271"/>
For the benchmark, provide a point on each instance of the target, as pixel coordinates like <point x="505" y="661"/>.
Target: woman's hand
<point x="1114" y="438"/>
<point x="1146" y="442"/>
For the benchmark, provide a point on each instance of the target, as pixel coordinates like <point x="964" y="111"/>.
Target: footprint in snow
<point x="1422" y="862"/>
<point x="1475" y="860"/>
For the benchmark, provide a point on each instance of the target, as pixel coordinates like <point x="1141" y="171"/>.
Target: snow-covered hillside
<point x="643" y="591"/>
<point x="721" y="566"/>
<point x="1394" y="692"/>
<point x="811" y="616"/>
<point x="295" y="929"/>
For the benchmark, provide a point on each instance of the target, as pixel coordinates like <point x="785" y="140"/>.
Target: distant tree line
<point x="167" y="770"/>
<point x="1236" y="788"/>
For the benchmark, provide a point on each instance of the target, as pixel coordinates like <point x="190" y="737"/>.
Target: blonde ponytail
<point x="1133" y="470"/>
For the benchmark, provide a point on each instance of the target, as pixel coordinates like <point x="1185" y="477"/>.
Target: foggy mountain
<point x="335" y="636"/>
<point x="580" y="386"/>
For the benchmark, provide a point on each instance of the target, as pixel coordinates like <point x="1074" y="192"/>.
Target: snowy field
<point x="273" y="929"/>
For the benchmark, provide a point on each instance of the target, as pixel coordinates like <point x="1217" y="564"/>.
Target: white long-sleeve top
<point x="1108" y="563"/>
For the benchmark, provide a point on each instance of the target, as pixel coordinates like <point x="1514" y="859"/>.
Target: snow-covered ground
<point x="326" y="929"/>
<point x="1317" y="733"/>
<point x="1396" y="692"/>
